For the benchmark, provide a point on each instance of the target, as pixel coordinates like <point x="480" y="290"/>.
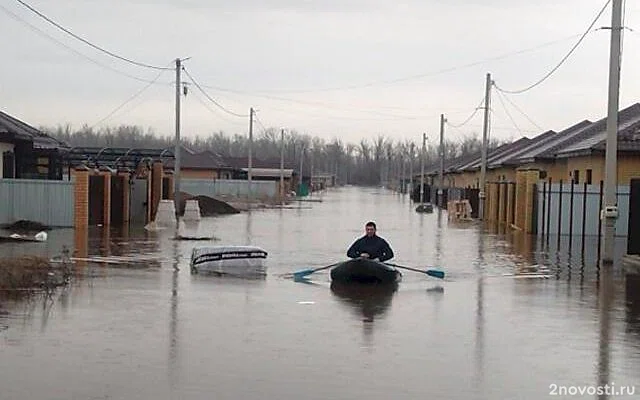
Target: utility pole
<point x="250" y="172"/>
<point x="441" y="185"/>
<point x="411" y="160"/>
<point x="282" y="166"/>
<point x="424" y="145"/>
<point x="301" y="162"/>
<point x="610" y="212"/>
<point x="311" y="151"/>
<point x="176" y="165"/>
<point x="485" y="132"/>
<point x="403" y="184"/>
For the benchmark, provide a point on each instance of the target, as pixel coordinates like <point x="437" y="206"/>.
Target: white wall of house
<point x="4" y="147"/>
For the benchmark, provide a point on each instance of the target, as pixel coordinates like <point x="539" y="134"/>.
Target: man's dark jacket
<point x="375" y="246"/>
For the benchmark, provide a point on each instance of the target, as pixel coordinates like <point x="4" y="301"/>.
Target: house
<point x="201" y="165"/>
<point x="28" y="153"/>
<point x="264" y="170"/>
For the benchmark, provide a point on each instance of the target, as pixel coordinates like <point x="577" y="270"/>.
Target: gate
<point x="96" y="200"/>
<point x="633" y="240"/>
<point x="139" y="201"/>
<point x="117" y="196"/>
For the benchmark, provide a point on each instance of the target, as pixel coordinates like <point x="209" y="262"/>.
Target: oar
<point x="431" y="272"/>
<point x="305" y="272"/>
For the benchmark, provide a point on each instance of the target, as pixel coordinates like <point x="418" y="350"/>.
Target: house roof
<point x="13" y="129"/>
<point x="269" y="172"/>
<point x="510" y="158"/>
<point x="594" y="139"/>
<point x="547" y="148"/>
<point x="190" y="159"/>
<point x="243" y="162"/>
<point x="501" y="151"/>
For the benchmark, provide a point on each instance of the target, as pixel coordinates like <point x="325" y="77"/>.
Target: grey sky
<point x="281" y="56"/>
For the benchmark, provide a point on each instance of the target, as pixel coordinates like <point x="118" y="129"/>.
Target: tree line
<point x="371" y="161"/>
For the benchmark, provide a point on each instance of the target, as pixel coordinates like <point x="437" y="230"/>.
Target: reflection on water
<point x="490" y="330"/>
<point x="370" y="301"/>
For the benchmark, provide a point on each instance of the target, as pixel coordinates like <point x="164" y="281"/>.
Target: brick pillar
<point x="81" y="246"/>
<point x="510" y="204"/>
<point x="156" y="188"/>
<point x="81" y="198"/>
<point x="105" y="243"/>
<point x="531" y="179"/>
<point x="126" y="193"/>
<point x="106" y="200"/>
<point x="502" y="215"/>
<point x="492" y="202"/>
<point x="520" y="202"/>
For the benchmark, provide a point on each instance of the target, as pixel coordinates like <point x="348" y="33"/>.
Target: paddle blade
<point x="303" y="273"/>
<point x="435" y="273"/>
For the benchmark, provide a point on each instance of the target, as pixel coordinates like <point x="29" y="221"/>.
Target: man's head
<point x="370" y="228"/>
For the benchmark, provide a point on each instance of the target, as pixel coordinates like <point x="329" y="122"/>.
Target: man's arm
<point x="354" y="251"/>
<point x="387" y="253"/>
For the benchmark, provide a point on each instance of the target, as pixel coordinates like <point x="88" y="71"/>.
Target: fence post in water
<point x="600" y="222"/>
<point x="544" y="204"/>
<point x="549" y="211"/>
<point x="584" y="215"/>
<point x="559" y="214"/>
<point x="571" y="217"/>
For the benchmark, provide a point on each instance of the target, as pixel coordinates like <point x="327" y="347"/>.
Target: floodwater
<point x="156" y="331"/>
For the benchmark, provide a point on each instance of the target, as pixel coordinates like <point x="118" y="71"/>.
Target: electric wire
<point x="466" y="121"/>
<point x="519" y="109"/>
<point x="220" y="106"/>
<point x="562" y="61"/>
<point x="504" y="107"/>
<point x="135" y="95"/>
<point x="85" y="41"/>
<point x="71" y="49"/>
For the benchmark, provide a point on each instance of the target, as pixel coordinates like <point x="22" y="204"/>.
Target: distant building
<point x="28" y="153"/>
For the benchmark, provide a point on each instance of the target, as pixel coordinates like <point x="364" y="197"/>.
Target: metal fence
<point x="229" y="187"/>
<point x="48" y="202"/>
<point x="574" y="209"/>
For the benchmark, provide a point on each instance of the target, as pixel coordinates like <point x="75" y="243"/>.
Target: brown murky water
<point x="152" y="331"/>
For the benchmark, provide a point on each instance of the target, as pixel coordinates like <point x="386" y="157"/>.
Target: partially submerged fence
<point x="229" y="187"/>
<point x="573" y="210"/>
<point x="46" y="201"/>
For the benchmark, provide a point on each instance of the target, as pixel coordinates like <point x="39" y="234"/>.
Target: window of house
<point x="8" y="165"/>
<point x="589" y="177"/>
<point x="576" y="176"/>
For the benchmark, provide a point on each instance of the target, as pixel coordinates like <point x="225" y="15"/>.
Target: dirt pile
<point x="27" y="226"/>
<point x="208" y="205"/>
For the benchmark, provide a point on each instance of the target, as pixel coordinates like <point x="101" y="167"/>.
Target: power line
<point x="519" y="109"/>
<point x="65" y="30"/>
<point x="475" y="111"/>
<point x="504" y="107"/>
<point x="413" y="77"/>
<point x="210" y="98"/>
<point x="71" y="49"/>
<point x="545" y="77"/>
<point x="311" y="103"/>
<point x="259" y="122"/>
<point x="211" y="110"/>
<point x="138" y="93"/>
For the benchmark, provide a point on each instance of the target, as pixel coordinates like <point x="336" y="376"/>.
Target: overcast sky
<point x="351" y="69"/>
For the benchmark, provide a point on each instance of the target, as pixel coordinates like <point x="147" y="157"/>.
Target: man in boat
<point x="371" y="246"/>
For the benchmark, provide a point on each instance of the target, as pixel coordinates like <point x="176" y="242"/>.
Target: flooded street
<point x="157" y="331"/>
